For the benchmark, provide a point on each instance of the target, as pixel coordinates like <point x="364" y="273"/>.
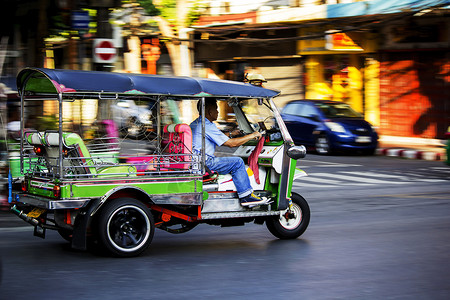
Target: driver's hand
<point x="256" y="135"/>
<point x="236" y="132"/>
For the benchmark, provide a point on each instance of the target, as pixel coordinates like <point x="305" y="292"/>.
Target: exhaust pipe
<point x="24" y="216"/>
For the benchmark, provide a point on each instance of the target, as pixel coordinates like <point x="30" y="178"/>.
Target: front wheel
<point x="125" y="227"/>
<point x="323" y="145"/>
<point x="292" y="222"/>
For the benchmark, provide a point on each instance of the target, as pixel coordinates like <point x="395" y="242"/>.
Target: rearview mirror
<point x="297" y="152"/>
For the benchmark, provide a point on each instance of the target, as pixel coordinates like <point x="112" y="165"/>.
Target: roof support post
<point x="60" y="163"/>
<point x="203" y="134"/>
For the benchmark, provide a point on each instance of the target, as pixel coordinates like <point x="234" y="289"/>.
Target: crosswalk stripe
<point x="298" y="184"/>
<point x="332" y="180"/>
<point x="400" y="177"/>
<point x="369" y="174"/>
<point x="429" y="180"/>
<point x="356" y="178"/>
<point x="313" y="178"/>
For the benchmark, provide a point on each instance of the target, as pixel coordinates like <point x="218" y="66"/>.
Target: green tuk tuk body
<point x="99" y="185"/>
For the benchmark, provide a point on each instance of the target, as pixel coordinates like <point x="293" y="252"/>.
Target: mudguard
<point x="83" y="220"/>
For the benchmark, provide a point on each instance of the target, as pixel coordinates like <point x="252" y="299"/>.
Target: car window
<point x="308" y="111"/>
<point x="338" y="110"/>
<point x="293" y="109"/>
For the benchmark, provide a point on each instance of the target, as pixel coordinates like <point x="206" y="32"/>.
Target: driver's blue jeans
<point x="234" y="166"/>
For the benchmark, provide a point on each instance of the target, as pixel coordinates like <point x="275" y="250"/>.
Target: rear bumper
<point x="49" y="204"/>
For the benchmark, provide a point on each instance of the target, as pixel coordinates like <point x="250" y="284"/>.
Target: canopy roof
<point x="54" y="81"/>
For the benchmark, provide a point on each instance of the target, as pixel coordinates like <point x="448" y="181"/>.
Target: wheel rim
<point x="128" y="228"/>
<point x="322" y="145"/>
<point x="294" y="221"/>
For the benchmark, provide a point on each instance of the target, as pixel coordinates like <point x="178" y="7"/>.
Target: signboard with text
<point x="80" y="20"/>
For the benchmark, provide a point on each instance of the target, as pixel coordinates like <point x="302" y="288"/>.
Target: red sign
<point x="342" y="42"/>
<point x="104" y="51"/>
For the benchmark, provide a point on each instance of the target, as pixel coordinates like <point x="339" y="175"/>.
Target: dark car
<point x="329" y="126"/>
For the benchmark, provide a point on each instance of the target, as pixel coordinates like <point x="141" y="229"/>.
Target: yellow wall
<point x="355" y="84"/>
<point x="316" y="88"/>
<point x="341" y="86"/>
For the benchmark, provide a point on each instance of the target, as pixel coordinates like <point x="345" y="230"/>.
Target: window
<point x="308" y="111"/>
<point x="293" y="109"/>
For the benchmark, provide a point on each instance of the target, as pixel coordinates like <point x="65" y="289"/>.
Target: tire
<point x="323" y="145"/>
<point x="369" y="152"/>
<point x="291" y="228"/>
<point x="125" y="227"/>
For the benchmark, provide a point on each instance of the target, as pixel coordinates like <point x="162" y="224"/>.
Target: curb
<point x="411" y="154"/>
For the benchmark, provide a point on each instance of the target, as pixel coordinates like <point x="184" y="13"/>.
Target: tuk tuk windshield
<point x="254" y="115"/>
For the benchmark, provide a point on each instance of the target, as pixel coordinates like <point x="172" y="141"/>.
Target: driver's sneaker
<point x="252" y="200"/>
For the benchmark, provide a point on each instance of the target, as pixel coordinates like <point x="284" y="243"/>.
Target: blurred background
<point x="389" y="60"/>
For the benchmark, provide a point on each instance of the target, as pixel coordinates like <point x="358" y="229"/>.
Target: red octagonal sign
<point x="104" y="51"/>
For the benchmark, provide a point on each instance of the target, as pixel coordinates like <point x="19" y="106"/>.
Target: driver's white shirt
<point x="213" y="138"/>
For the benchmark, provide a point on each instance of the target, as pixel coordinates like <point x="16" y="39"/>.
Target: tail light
<point x="24" y="186"/>
<point x="56" y="191"/>
<point x="39" y="150"/>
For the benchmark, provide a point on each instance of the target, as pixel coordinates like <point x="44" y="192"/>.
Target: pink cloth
<point x="253" y="159"/>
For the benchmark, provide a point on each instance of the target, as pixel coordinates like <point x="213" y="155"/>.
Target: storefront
<point x="414" y="78"/>
<point x="335" y="66"/>
<point x="219" y="52"/>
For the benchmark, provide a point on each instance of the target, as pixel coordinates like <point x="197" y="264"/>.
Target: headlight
<point x="336" y="127"/>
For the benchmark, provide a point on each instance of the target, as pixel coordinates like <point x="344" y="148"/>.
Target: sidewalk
<point x="412" y="148"/>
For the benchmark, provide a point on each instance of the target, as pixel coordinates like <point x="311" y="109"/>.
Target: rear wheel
<point x="125" y="227"/>
<point x="292" y="222"/>
<point x="323" y="145"/>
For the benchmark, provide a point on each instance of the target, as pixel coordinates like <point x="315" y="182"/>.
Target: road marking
<point x="356" y="178"/>
<point x="16" y="229"/>
<point x="429" y="180"/>
<point x="441" y="169"/>
<point x="327" y="164"/>
<point x="378" y="175"/>
<point x="340" y="179"/>
<point x="302" y="184"/>
<point x="313" y="178"/>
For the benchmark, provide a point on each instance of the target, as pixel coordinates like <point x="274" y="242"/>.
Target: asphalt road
<point x="379" y="230"/>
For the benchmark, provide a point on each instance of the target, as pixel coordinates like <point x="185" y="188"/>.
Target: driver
<point x="224" y="165"/>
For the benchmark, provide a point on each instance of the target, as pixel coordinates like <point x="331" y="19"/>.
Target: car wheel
<point x="322" y="145"/>
<point x="292" y="222"/>
<point x="125" y="227"/>
<point x="369" y="151"/>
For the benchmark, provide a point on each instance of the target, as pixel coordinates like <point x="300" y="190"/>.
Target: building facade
<point x="387" y="59"/>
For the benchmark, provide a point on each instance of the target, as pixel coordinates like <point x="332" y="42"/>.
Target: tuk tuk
<point x="94" y="182"/>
